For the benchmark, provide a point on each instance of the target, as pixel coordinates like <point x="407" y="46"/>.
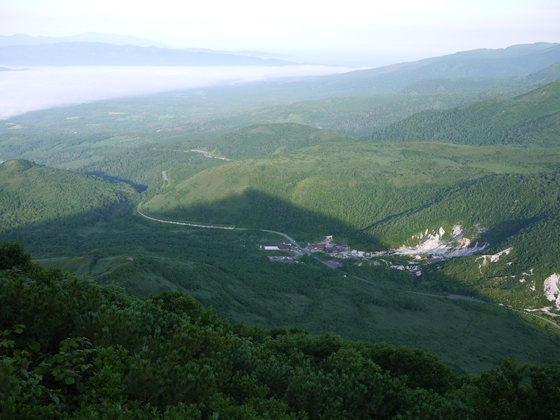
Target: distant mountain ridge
<point x="527" y="120"/>
<point x="23" y="39"/>
<point x="517" y="60"/>
<point x="471" y="84"/>
<point x="102" y="54"/>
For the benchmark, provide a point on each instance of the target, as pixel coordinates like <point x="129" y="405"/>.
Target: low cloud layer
<point x="47" y="87"/>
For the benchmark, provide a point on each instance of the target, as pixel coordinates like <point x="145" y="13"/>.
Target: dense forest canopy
<point x="75" y="349"/>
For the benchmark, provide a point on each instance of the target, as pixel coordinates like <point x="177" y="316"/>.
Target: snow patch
<point x="552" y="289"/>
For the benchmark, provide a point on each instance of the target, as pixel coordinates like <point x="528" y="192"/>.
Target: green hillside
<point x="470" y="84"/>
<point x="34" y="194"/>
<point x="356" y="185"/>
<point x="517" y="60"/>
<point x="528" y="120"/>
<point x="381" y="196"/>
<point x="228" y="270"/>
<point x="73" y="349"/>
<point x="143" y="167"/>
<point x="270" y="139"/>
<point x="356" y="116"/>
<point x="446" y="193"/>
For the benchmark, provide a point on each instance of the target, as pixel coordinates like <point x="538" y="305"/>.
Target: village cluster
<point x="326" y="245"/>
<point x="341" y="251"/>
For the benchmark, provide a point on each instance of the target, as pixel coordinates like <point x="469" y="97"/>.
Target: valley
<point x="437" y="193"/>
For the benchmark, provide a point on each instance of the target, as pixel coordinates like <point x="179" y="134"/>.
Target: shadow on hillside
<point x="258" y="210"/>
<point x="140" y="188"/>
<point x="506" y="229"/>
<point x="68" y="236"/>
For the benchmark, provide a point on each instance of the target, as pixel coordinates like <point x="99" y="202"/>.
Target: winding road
<point x="300" y="251"/>
<point x="454" y="297"/>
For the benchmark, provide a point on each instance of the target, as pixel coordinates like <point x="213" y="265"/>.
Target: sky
<point x="386" y="31"/>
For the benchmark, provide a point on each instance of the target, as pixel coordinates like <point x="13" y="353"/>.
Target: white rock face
<point x="457" y="231"/>
<point x="493" y="258"/>
<point x="533" y="287"/>
<point x="552" y="289"/>
<point x="432" y="243"/>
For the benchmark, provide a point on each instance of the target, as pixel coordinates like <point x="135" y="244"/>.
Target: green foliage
<point x="355" y="116"/>
<point x="269" y="139"/>
<point x="510" y="391"/>
<point x="527" y="120"/>
<point x="239" y="282"/>
<point x="468" y="84"/>
<point x="139" y="353"/>
<point x="13" y="255"/>
<point x="370" y="194"/>
<point x="167" y="357"/>
<point x="31" y="194"/>
<point x="376" y="196"/>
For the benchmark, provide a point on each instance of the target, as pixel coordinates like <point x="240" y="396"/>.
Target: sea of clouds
<point x="46" y="87"/>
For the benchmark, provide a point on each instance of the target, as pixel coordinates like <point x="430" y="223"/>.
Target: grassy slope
<point x="529" y="120"/>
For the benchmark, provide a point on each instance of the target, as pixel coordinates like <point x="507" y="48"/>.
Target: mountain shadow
<point x="239" y="282"/>
<point x="140" y="188"/>
<point x="255" y="209"/>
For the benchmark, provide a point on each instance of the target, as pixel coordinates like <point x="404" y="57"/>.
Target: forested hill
<point x="517" y="60"/>
<point x="268" y="139"/>
<point x="477" y="84"/>
<point x="532" y="119"/>
<point x="31" y="193"/>
<point x="72" y="349"/>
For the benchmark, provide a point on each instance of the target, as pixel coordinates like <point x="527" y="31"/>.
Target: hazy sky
<point x="347" y="32"/>
<point x="400" y="28"/>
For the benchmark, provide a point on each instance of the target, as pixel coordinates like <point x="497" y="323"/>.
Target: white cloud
<point x="47" y="87"/>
